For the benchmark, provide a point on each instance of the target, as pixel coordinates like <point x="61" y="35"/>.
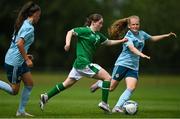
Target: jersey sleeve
<point x="103" y="38"/>
<point x="80" y="30"/>
<point x="129" y="37"/>
<point x="26" y="33"/>
<point x="146" y="35"/>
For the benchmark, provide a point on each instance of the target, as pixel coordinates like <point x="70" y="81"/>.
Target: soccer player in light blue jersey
<point x="17" y="61"/>
<point x="127" y="64"/>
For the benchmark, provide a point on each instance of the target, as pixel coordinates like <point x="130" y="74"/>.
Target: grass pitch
<point x="157" y="95"/>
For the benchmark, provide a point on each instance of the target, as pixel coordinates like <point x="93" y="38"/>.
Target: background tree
<point x="59" y="16"/>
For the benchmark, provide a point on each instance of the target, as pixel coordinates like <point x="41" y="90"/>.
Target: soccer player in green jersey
<point x="89" y="39"/>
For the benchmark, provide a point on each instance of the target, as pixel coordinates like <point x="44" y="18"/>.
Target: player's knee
<point x="32" y="85"/>
<point x="15" y="92"/>
<point x="111" y="89"/>
<point x="107" y="78"/>
<point x="29" y="84"/>
<point x="132" y="88"/>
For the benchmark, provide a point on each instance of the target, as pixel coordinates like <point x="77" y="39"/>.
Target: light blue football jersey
<point x="13" y="56"/>
<point x="127" y="58"/>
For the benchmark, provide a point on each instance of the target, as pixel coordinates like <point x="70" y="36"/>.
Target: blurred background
<point x="59" y="16"/>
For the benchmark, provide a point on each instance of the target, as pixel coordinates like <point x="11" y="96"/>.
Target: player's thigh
<point x="27" y="79"/>
<point x="13" y="77"/>
<point x="103" y="75"/>
<point x="131" y="82"/>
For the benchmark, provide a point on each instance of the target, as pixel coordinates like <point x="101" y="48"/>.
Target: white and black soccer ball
<point x="130" y="107"/>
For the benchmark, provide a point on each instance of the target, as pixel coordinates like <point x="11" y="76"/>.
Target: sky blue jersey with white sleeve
<point x="127" y="58"/>
<point x="13" y="56"/>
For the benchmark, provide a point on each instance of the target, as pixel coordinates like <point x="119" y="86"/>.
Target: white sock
<point x="24" y="98"/>
<point x="100" y="83"/>
<point x="124" y="97"/>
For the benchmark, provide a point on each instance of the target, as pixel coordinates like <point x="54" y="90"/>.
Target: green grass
<point x="157" y="95"/>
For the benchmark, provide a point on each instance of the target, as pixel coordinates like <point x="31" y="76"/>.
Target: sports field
<point x="157" y="95"/>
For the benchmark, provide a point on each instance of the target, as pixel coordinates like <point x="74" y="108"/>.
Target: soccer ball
<point x="130" y="107"/>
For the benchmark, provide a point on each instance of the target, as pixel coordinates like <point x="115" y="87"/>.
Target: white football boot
<point x="104" y="106"/>
<point x="117" y="109"/>
<point x="43" y="100"/>
<point x="23" y="114"/>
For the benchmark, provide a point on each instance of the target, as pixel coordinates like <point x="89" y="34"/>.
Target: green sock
<point x="57" y="88"/>
<point x="105" y="91"/>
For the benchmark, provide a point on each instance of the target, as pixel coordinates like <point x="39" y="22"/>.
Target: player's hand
<point x="124" y="40"/>
<point x="30" y="57"/>
<point x="145" y="56"/>
<point x="29" y="63"/>
<point x="172" y="34"/>
<point x="66" y="47"/>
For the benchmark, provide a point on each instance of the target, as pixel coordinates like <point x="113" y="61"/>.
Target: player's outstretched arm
<point x="115" y="42"/>
<point x="160" y="37"/>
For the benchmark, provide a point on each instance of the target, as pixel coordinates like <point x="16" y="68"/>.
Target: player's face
<point x="98" y="25"/>
<point x="36" y="16"/>
<point x="134" y="25"/>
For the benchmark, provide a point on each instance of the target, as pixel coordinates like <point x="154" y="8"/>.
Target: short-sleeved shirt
<point x="13" y="56"/>
<point x="127" y="58"/>
<point x="87" y="43"/>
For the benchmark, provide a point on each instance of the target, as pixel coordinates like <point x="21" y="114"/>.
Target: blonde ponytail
<point x="117" y="28"/>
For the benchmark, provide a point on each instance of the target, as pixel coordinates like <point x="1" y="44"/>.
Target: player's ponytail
<point x="26" y="11"/>
<point x="92" y="17"/>
<point x="117" y="28"/>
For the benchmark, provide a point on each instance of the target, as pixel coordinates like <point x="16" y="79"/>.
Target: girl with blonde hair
<point x="127" y="64"/>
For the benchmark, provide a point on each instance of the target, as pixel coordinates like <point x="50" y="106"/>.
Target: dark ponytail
<point x="26" y="11"/>
<point x="92" y="17"/>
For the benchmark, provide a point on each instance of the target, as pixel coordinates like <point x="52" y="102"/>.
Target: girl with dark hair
<point x="17" y="61"/>
<point x="127" y="64"/>
<point x="88" y="40"/>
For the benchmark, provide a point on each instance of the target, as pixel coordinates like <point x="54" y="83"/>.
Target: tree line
<point x="59" y="16"/>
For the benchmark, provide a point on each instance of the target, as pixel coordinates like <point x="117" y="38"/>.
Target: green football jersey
<point x="87" y="43"/>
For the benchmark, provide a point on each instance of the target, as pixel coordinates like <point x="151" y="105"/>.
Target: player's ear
<point x="92" y="23"/>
